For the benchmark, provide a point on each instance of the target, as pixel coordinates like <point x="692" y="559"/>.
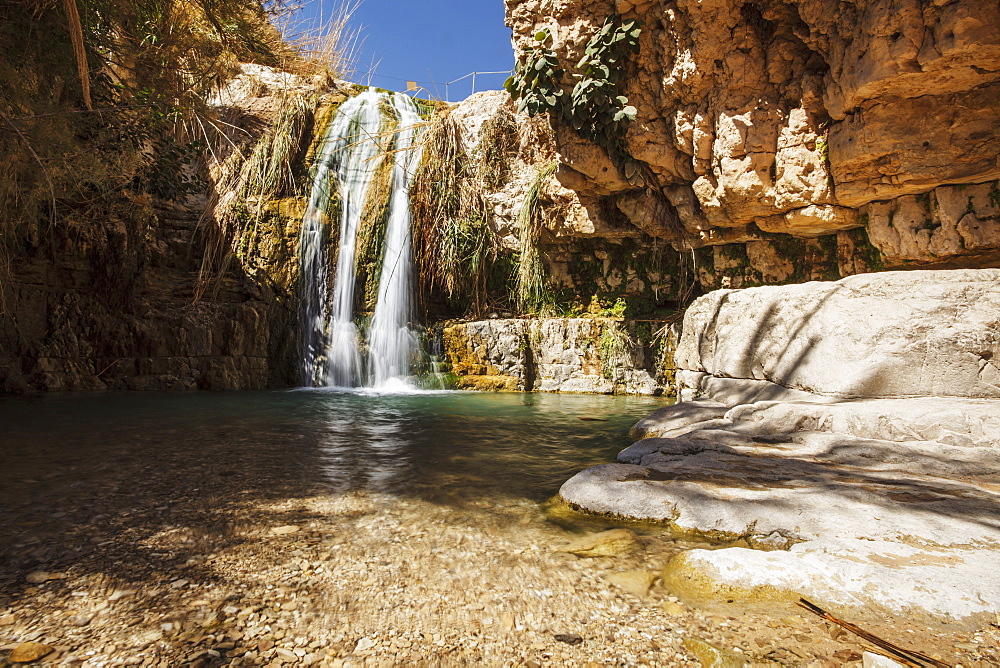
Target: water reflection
<point x="447" y="446"/>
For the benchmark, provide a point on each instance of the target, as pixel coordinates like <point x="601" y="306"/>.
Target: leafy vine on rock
<point x="596" y="107"/>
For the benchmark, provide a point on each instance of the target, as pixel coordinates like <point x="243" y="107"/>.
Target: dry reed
<point x="532" y="289"/>
<point x="454" y="246"/>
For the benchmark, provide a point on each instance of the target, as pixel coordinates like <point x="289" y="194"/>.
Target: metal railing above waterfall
<point x="473" y="75"/>
<point x="431" y="87"/>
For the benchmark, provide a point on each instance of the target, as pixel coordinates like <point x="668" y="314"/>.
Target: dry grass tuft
<point x="497" y="141"/>
<point x="244" y="184"/>
<point x="532" y="289"/>
<point x="453" y="243"/>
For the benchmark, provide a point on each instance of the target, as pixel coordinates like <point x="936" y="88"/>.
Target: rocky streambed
<point x="307" y="529"/>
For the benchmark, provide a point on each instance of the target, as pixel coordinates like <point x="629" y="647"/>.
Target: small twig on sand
<point x="907" y="656"/>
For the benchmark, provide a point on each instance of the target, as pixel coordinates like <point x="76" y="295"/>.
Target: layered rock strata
<point x="159" y="299"/>
<point x="848" y="431"/>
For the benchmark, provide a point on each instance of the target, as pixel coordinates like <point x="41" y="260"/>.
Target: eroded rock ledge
<point x="590" y="355"/>
<point x="850" y="431"/>
<point x="805" y="118"/>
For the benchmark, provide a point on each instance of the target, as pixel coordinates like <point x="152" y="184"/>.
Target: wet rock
<point x="569" y="638"/>
<point x="38" y="577"/>
<point x="29" y="652"/>
<point x="636" y="583"/>
<point x="612" y="543"/>
<point x="711" y="656"/>
<point x="872" y="660"/>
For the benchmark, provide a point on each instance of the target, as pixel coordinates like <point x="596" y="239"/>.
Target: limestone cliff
<point x="765" y="123"/>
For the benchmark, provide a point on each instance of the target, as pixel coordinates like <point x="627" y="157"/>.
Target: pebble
<point x="612" y="543"/>
<point x="400" y="585"/>
<point x="284" y="530"/>
<point x="29" y="652"/>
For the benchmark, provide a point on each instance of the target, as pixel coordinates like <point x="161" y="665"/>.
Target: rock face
<point x="116" y="310"/>
<point x="796" y="119"/>
<point x="822" y="432"/>
<point x="154" y="301"/>
<point x="873" y="336"/>
<point x="592" y="355"/>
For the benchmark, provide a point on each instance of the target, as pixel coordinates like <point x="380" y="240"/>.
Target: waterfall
<point x="349" y="156"/>
<point x="350" y="152"/>
<point x="391" y="342"/>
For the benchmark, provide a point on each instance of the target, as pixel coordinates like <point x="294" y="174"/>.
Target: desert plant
<point x="597" y="107"/>
<point x="532" y="294"/>
<point x="614" y="349"/>
<point x="454" y="246"/>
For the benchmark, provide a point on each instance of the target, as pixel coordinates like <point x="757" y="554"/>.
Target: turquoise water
<point x="73" y="451"/>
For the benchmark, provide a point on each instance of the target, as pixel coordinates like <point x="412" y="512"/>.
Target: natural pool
<point x="315" y="527"/>
<point x="158" y="524"/>
<point x="445" y="446"/>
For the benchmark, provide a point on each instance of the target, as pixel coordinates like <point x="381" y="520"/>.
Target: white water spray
<point x="391" y="342"/>
<point x="348" y="159"/>
<point x="350" y="152"/>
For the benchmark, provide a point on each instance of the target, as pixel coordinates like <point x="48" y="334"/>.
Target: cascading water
<point x="350" y="152"/>
<point x="391" y="342"/>
<point x="349" y="157"/>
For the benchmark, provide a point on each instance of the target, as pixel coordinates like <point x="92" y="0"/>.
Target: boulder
<point x="891" y="334"/>
<point x="849" y="432"/>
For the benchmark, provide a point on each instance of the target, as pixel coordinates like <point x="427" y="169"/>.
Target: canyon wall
<point x="781" y="142"/>
<point x="150" y="294"/>
<point x="801" y="140"/>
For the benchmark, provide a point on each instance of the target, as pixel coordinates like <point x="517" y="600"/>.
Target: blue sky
<point x="432" y="42"/>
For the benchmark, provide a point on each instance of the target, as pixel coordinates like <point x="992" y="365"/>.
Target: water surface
<point x="450" y="447"/>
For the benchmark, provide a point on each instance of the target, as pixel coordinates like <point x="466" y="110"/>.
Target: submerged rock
<point x="637" y="583"/>
<point x="29" y="652"/>
<point x="284" y="530"/>
<point x="711" y="656"/>
<point x="613" y="543"/>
